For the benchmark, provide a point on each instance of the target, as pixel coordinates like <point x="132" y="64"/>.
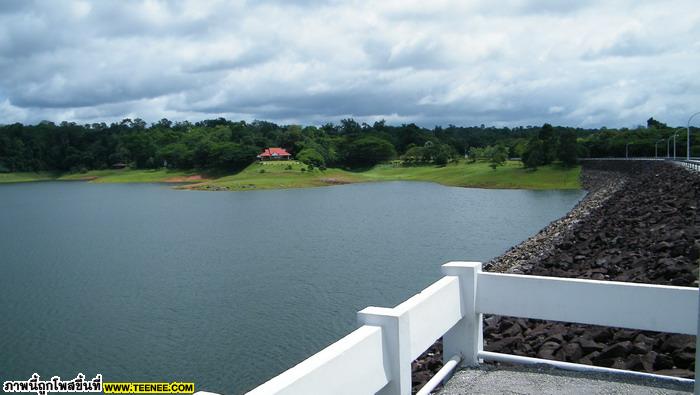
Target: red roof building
<point x="274" y="154"/>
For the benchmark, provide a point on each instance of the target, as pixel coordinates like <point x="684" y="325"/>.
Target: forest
<point x="230" y="145"/>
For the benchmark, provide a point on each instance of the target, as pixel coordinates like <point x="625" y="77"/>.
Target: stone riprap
<point x="638" y="223"/>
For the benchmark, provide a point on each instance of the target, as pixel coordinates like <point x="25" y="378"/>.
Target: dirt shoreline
<point x="637" y="223"/>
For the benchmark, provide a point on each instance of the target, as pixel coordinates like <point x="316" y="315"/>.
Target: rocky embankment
<point x="638" y="223"/>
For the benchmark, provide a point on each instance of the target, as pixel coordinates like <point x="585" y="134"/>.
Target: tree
<point x="534" y="154"/>
<point x="310" y="156"/>
<point x="498" y="156"/>
<point x="653" y="123"/>
<point x="368" y="151"/>
<point x="567" y="150"/>
<point x="475" y="153"/>
<point x="228" y="155"/>
<point x="177" y="155"/>
<point x="549" y="143"/>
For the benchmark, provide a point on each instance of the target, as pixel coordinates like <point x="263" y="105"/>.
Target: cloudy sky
<point x="509" y="62"/>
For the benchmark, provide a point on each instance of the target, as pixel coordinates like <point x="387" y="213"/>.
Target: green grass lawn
<point x="104" y="176"/>
<point x="278" y="175"/>
<point x="128" y="175"/>
<point x="26" y="177"/>
<point x="289" y="174"/>
<point x="480" y="175"/>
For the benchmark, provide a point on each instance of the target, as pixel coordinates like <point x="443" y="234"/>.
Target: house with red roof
<point x="274" y="154"/>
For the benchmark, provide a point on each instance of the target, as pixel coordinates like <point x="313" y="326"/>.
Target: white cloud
<point x="516" y="62"/>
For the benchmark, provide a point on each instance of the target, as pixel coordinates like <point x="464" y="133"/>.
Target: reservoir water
<point x="142" y="283"/>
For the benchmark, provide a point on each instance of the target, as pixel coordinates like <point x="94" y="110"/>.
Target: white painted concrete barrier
<point x="608" y="303"/>
<point x="361" y="352"/>
<point x="690" y="164"/>
<point x="376" y="358"/>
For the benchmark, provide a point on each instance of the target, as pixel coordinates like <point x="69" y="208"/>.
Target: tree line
<point x="230" y="145"/>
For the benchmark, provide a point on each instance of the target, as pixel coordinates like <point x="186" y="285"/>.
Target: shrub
<point x="310" y="157"/>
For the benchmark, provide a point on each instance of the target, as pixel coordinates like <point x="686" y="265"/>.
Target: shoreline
<point x="601" y="186"/>
<point x="294" y="175"/>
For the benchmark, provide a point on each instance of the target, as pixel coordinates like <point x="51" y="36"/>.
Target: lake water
<point x="140" y="282"/>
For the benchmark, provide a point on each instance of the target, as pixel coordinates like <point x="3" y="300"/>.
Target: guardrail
<point x="690" y="164"/>
<point x="693" y="158"/>
<point x="376" y="358"/>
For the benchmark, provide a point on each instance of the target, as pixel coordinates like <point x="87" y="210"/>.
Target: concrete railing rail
<point x="692" y="164"/>
<point x="376" y="358"/>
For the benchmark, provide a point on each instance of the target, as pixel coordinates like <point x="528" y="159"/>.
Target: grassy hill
<point x="289" y="174"/>
<point x="128" y="175"/>
<point x="26" y="177"/>
<point x="293" y="174"/>
<point x="104" y="176"/>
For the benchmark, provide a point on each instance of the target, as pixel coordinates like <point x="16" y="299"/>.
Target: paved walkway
<point x="542" y="380"/>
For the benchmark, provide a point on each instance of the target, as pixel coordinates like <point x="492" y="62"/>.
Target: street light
<point x="627" y="150"/>
<point x="688" y="140"/>
<point x="656" y="148"/>
<point x="668" y="147"/>
<point x="674" y="144"/>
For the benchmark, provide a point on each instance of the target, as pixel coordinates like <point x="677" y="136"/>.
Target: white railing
<point x="690" y="164"/>
<point x="376" y="358"/>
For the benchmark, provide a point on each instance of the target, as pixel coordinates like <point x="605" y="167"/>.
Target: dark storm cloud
<point x="580" y="63"/>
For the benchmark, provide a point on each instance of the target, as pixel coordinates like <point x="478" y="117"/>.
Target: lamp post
<point x="668" y="147"/>
<point x="627" y="150"/>
<point x="674" y="144"/>
<point x="656" y="148"/>
<point x="688" y="140"/>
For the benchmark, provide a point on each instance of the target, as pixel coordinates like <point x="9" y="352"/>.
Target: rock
<point x="588" y="359"/>
<point x="514" y="330"/>
<point x="624" y="334"/>
<point x="547" y="350"/>
<point x="678" y="343"/>
<point x="640" y="348"/>
<point x="663" y="362"/>
<point x="638" y="223"/>
<point x="641" y="363"/>
<point x="588" y="345"/>
<point x="683" y="360"/>
<point x="601" y="334"/>
<point x="503" y="346"/>
<point x="571" y="352"/>
<point x="556" y="338"/>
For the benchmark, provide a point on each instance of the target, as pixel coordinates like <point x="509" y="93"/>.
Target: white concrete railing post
<point x="397" y="354"/>
<point x="466" y="336"/>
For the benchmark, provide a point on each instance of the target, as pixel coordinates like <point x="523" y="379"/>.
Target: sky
<point x="500" y="63"/>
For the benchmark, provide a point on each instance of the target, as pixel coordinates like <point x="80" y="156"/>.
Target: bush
<point x="311" y="157"/>
<point x="441" y="159"/>
<point x="368" y="151"/>
<point x="289" y="167"/>
<point x="262" y="170"/>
